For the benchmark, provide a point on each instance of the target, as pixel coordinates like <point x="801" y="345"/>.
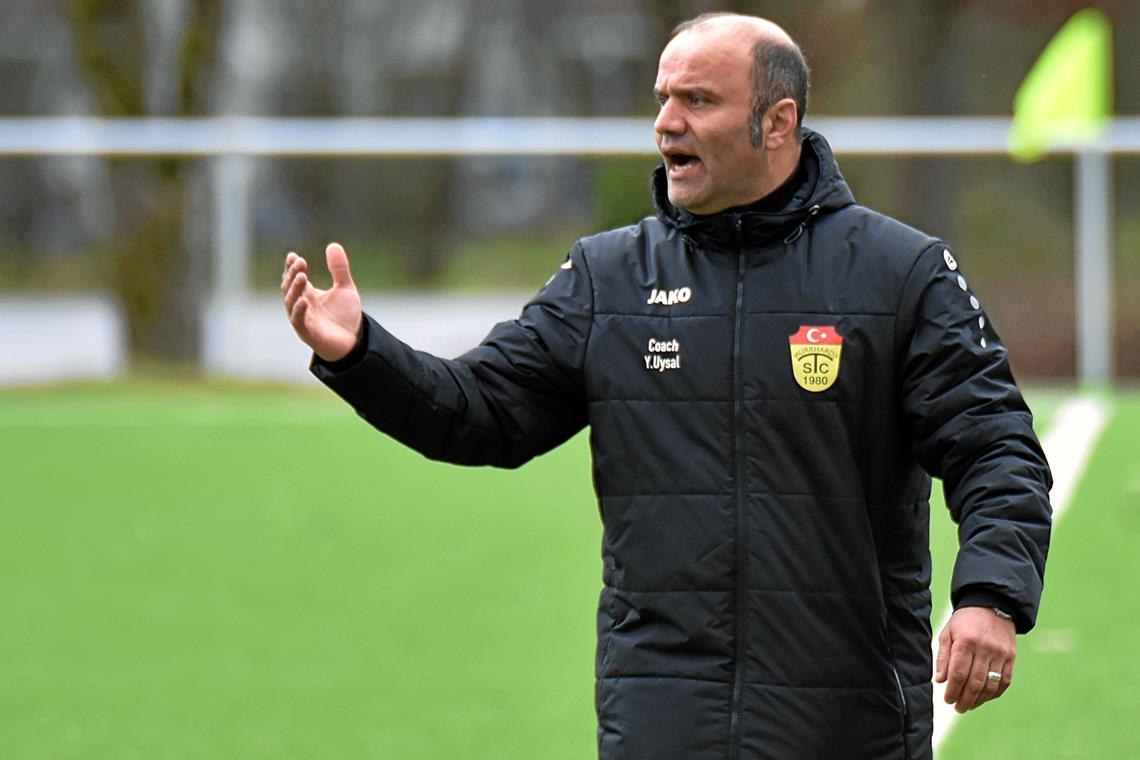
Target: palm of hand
<point x="333" y="321"/>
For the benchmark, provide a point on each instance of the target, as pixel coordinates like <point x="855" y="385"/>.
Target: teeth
<point x="680" y="163"/>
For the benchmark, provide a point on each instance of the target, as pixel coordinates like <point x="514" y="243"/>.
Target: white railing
<point x="232" y="140"/>
<point x="269" y="136"/>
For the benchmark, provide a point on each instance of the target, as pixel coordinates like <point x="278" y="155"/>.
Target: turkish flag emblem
<point x="816" y="351"/>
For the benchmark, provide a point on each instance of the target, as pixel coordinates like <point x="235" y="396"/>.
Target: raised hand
<point x="328" y="321"/>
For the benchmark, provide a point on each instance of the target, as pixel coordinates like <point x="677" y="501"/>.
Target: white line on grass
<point x="1068" y="445"/>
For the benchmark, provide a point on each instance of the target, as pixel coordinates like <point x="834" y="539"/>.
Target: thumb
<point x="337" y="261"/>
<point x="944" y="646"/>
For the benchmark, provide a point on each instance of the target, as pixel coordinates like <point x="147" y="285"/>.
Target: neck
<point x="782" y="164"/>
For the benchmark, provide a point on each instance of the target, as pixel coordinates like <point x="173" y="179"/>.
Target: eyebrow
<point x="686" y="90"/>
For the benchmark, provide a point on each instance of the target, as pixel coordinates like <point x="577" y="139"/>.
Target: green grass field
<point x="192" y="572"/>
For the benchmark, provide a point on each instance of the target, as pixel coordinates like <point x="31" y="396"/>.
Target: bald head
<point x="778" y="67"/>
<point x="752" y="27"/>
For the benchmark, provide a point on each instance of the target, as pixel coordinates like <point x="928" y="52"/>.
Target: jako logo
<point x="670" y="297"/>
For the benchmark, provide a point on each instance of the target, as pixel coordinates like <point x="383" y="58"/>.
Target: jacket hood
<point x="822" y="191"/>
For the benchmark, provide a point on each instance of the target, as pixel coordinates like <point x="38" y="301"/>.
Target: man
<point x="769" y="372"/>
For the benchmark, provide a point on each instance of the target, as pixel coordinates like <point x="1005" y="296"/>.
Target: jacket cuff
<point x="975" y="596"/>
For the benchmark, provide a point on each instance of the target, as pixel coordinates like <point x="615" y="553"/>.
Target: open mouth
<point x="678" y="163"/>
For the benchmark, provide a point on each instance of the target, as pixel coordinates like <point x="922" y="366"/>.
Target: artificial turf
<point x="255" y="573"/>
<point x="238" y="575"/>
<point x="1075" y="682"/>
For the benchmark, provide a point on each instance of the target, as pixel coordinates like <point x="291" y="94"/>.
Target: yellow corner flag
<point x="1067" y="96"/>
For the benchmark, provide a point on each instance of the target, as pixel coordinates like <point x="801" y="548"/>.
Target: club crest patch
<point x="816" y="350"/>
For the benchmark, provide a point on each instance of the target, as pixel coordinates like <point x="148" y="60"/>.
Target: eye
<point x="697" y="101"/>
<point x="660" y="99"/>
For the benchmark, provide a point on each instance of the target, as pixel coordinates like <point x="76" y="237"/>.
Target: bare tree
<point x="150" y="58"/>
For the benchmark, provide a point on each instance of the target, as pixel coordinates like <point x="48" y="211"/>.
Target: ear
<point x="780" y="124"/>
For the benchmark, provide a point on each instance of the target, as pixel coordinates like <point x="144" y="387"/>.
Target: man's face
<point x="704" y="87"/>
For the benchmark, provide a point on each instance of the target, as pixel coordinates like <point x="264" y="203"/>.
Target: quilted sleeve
<point x="972" y="429"/>
<point x="515" y="396"/>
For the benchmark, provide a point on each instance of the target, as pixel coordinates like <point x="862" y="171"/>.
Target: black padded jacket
<point x="768" y="395"/>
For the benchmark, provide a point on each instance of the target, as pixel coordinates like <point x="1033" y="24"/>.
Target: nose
<point x="669" y="120"/>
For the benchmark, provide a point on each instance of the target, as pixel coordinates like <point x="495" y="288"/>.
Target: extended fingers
<point x="297" y="312"/>
<point x="293" y="281"/>
<point x="294" y="264"/>
<point x="294" y="293"/>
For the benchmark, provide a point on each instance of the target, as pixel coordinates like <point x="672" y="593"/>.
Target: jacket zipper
<point x="903" y="708"/>
<point x="741" y="602"/>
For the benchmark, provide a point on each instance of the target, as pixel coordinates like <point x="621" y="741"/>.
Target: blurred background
<point x="196" y="566"/>
<point x="132" y="238"/>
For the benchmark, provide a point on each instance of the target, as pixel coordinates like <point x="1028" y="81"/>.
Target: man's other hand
<point x="973" y="644"/>
<point x="328" y="321"/>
